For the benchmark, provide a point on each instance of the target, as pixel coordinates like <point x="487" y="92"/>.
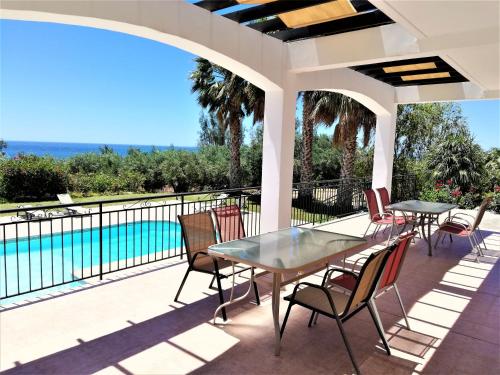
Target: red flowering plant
<point x="449" y="192"/>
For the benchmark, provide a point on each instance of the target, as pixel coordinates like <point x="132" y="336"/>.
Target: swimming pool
<point x="45" y="260"/>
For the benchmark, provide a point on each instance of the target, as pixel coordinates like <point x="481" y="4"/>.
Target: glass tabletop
<point x="287" y="249"/>
<point x="422" y="207"/>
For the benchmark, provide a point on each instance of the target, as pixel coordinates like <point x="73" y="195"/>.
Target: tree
<point x="306" y="159"/>
<point x="213" y="131"/>
<point x="419" y="126"/>
<point x="459" y="159"/>
<point x="230" y="98"/>
<point x="349" y="117"/>
<point x="3" y="146"/>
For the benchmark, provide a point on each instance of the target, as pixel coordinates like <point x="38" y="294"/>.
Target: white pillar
<point x="383" y="156"/>
<point x="277" y="160"/>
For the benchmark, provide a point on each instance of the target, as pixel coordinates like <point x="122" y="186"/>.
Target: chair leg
<point x="402" y="306"/>
<point x="472" y="249"/>
<point x="212" y="283"/>
<point x="437" y="239"/>
<point x="482" y="238"/>
<point x="221" y="296"/>
<point x="347" y="345"/>
<point x="378" y="325"/>
<point x="182" y="284"/>
<point x="255" y="289"/>
<point x="478" y="245"/>
<point x="366" y="231"/>
<point x="282" y="330"/>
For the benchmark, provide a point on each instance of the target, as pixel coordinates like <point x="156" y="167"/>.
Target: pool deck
<point x="129" y="324"/>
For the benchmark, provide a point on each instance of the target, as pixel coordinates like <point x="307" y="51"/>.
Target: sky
<point x="65" y="83"/>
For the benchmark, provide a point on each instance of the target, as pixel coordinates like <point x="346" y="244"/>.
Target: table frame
<point x="431" y="218"/>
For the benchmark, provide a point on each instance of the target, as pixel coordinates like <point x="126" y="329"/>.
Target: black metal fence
<point x="53" y="245"/>
<point x="321" y="201"/>
<point x="49" y="246"/>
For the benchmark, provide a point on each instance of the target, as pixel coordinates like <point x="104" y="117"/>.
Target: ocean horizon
<point x="63" y="150"/>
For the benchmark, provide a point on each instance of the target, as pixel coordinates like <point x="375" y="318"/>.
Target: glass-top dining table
<point x="428" y="214"/>
<point x="293" y="253"/>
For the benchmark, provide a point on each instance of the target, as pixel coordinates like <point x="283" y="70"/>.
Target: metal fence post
<point x="182" y="213"/>
<point x="100" y="241"/>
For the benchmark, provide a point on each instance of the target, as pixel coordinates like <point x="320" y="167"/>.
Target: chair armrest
<point x="337" y="269"/>
<point x="464" y="226"/>
<point x="356" y="262"/>
<point x="461" y="221"/>
<point x="462" y="214"/>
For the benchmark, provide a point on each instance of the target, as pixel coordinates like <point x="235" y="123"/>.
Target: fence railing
<point x="49" y="246"/>
<point x="320" y="201"/>
<point x="53" y="245"/>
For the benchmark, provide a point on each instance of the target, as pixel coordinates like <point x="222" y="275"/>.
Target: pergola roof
<point x="301" y="19"/>
<point x="411" y="72"/>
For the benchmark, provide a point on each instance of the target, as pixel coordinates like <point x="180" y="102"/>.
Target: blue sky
<point x="73" y="84"/>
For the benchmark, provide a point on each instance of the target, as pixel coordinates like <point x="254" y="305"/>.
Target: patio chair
<point x="73" y="210"/>
<point x="347" y="281"/>
<point x="340" y="306"/>
<point x="198" y="234"/>
<point x="380" y="219"/>
<point x="229" y="224"/>
<point x="466" y="226"/>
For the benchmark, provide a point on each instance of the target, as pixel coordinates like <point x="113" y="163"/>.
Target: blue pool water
<point x="44" y="261"/>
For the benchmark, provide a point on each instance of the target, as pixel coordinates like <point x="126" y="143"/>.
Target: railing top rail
<point x="123" y="200"/>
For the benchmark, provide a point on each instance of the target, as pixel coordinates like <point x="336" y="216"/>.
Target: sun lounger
<point x="72" y="210"/>
<point x="29" y="212"/>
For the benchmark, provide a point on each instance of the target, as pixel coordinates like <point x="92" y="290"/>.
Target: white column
<point x="384" y="150"/>
<point x="277" y="160"/>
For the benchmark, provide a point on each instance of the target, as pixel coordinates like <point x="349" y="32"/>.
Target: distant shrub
<point x="29" y="177"/>
<point x="181" y="170"/>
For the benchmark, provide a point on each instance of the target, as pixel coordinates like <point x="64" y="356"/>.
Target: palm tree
<point x="231" y="98"/>
<point x="350" y="117"/>
<point x="306" y="161"/>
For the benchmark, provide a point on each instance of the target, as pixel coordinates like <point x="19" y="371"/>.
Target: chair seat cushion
<point x="454" y="228"/>
<point x="399" y="220"/>
<point x="344" y="281"/>
<point x="316" y="299"/>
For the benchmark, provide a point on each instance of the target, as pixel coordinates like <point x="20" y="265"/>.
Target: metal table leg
<point x="231" y="300"/>
<point x="429" y="242"/>
<point x="276" y="312"/>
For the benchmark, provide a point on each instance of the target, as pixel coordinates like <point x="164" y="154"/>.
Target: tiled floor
<point x="131" y="325"/>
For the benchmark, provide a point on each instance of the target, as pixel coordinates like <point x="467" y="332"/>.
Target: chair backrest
<point x="65" y="198"/>
<point x="229" y="223"/>
<point x="482" y="209"/>
<point x="198" y="232"/>
<point x="395" y="260"/>
<point x="371" y="202"/>
<point x="384" y="197"/>
<point x="369" y="277"/>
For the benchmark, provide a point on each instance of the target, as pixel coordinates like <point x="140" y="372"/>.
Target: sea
<point x="63" y="150"/>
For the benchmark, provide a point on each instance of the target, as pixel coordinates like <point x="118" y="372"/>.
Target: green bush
<point x="213" y="164"/>
<point x="181" y="170"/>
<point x="29" y="177"/>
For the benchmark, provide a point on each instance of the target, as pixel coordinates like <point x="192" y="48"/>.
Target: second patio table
<point x="427" y="210"/>
<point x="301" y="251"/>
